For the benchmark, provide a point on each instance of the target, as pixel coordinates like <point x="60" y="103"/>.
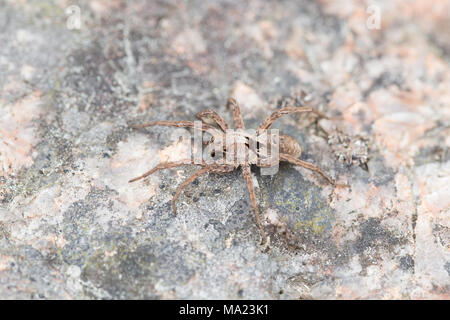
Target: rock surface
<point x="72" y="227"/>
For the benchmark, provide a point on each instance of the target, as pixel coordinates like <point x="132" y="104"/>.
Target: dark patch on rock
<point x="123" y="275"/>
<point x="300" y="203"/>
<point x="432" y="155"/>
<point x="115" y="137"/>
<point x="407" y="263"/>
<point x="240" y="218"/>
<point x="380" y="174"/>
<point x="132" y="271"/>
<point x="92" y="78"/>
<point x="374" y="239"/>
<point x="385" y="80"/>
<point x="447" y="267"/>
<point x="374" y="235"/>
<point x="77" y="220"/>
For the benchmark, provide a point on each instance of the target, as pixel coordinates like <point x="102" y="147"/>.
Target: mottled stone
<point x="73" y="227"/>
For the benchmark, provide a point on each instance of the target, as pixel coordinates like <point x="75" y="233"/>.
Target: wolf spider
<point x="289" y="150"/>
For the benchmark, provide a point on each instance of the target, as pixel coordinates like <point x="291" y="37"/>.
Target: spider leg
<point x="211" y="114"/>
<point x="212" y="130"/>
<point x="164" y="165"/>
<point x="238" y="121"/>
<point x="215" y="117"/>
<point x="251" y="189"/>
<point x="210" y="168"/>
<point x="187" y="182"/>
<point x="179" y="124"/>
<point x="287" y="110"/>
<point x="240" y="150"/>
<point x="310" y="166"/>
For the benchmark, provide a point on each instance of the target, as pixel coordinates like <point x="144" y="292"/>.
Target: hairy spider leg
<point x="179" y="124"/>
<point x="164" y="165"/>
<point x="211" y="114"/>
<point x="310" y="166"/>
<point x="287" y="110"/>
<point x="246" y="172"/>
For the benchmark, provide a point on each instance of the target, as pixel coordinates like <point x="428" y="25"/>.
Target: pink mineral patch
<point x="18" y="133"/>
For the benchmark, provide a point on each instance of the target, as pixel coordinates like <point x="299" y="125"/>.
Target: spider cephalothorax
<point x="289" y="150"/>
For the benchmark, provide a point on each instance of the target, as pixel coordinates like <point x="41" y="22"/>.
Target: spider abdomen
<point x="289" y="145"/>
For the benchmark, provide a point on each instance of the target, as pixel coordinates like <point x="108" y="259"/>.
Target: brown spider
<point x="289" y="150"/>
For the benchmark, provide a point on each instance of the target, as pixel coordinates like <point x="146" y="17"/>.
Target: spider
<point x="289" y="150"/>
